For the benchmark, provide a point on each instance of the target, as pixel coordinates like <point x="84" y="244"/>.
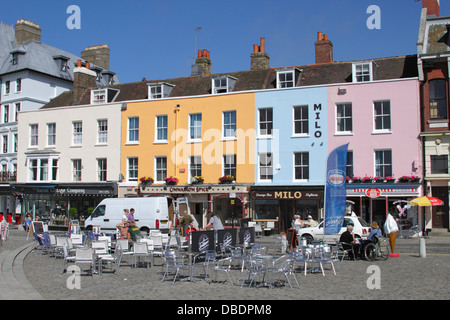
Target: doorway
<point x="440" y="213"/>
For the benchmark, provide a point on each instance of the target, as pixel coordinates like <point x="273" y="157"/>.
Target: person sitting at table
<point x="348" y="242"/>
<point x="133" y="232"/>
<point x="190" y="229"/>
<point x="123" y="229"/>
<point x="375" y="232"/>
<point x="298" y="222"/>
<point x="310" y="222"/>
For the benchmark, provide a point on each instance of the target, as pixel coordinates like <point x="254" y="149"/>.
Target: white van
<point x="150" y="213"/>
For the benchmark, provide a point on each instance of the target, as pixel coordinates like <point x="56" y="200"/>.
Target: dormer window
<point x="287" y="78"/>
<point x="159" y="90"/>
<point x="109" y="77"/>
<point x="106" y="95"/>
<point x="363" y="72"/>
<point x="223" y="84"/>
<point x="15" y="56"/>
<point x="62" y="63"/>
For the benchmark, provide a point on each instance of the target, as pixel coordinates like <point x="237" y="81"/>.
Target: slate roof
<point x="311" y="75"/>
<point x="35" y="56"/>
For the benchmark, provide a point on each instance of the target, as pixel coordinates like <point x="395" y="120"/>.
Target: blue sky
<point x="155" y="39"/>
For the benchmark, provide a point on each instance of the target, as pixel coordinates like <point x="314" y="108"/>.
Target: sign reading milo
<point x="288" y="194"/>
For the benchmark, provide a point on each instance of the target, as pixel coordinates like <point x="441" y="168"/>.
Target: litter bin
<point x="18" y="218"/>
<point x="1" y="216"/>
<point x="9" y="218"/>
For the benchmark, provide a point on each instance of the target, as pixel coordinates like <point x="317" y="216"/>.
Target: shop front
<point x="373" y="202"/>
<point x="280" y="204"/>
<point x="52" y="203"/>
<point x="229" y="201"/>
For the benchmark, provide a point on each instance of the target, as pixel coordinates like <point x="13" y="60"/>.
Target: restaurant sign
<point x="373" y="192"/>
<point x="287" y="195"/>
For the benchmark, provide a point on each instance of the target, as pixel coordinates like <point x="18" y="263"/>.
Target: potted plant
<point x="146" y="180"/>
<point x="226" y="179"/>
<point x="366" y="179"/>
<point x="356" y="179"/>
<point x="172" y="180"/>
<point x="389" y="179"/>
<point x="406" y="179"/>
<point x="73" y="212"/>
<point x="197" y="180"/>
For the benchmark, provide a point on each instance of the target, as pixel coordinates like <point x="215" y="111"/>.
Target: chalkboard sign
<point x="227" y="236"/>
<point x="247" y="235"/>
<point x="38" y="226"/>
<point x="291" y="237"/>
<point x="202" y="241"/>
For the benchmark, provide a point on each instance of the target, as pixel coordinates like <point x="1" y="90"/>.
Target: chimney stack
<point x="98" y="55"/>
<point x="202" y="64"/>
<point x="27" y="31"/>
<point x="83" y="79"/>
<point x="259" y="58"/>
<point x="433" y="7"/>
<point x="324" y="49"/>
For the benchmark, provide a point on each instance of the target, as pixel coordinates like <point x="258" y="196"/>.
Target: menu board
<point x="291" y="237"/>
<point x="227" y="236"/>
<point x="247" y="235"/>
<point x="202" y="241"/>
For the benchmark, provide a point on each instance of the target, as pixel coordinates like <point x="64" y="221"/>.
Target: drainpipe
<point x="422" y="129"/>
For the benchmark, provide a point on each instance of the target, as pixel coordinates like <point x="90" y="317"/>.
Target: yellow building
<point x="208" y="136"/>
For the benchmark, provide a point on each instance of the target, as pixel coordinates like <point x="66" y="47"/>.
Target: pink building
<point x="380" y="119"/>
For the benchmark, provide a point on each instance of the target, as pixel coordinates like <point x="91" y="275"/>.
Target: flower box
<point x="197" y="180"/>
<point x="409" y="179"/>
<point x="226" y="179"/>
<point x="146" y="180"/>
<point x="172" y="180"/>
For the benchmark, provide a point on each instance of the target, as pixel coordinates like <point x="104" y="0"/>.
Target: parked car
<point x="360" y="228"/>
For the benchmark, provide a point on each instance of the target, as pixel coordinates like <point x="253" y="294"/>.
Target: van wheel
<point x="145" y="230"/>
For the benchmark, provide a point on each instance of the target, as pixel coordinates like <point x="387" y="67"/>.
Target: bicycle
<point x="377" y="250"/>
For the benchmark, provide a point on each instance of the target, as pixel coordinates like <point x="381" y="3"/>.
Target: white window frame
<point x="5" y="113"/>
<point x="77" y="133"/>
<point x="304" y="122"/>
<point x="16" y="111"/>
<point x="5" y="143"/>
<point x="102" y="131"/>
<point x="34" y="135"/>
<point x="162" y="128"/>
<point x="268" y="166"/>
<point x="382" y="116"/>
<point x="132" y="129"/>
<point x="159" y="90"/>
<point x="77" y="170"/>
<point x="361" y="75"/>
<point x="228" y="168"/>
<point x="18" y="85"/>
<point x="345" y="131"/>
<point x="232" y="126"/>
<point x="51" y="134"/>
<point x="375" y="166"/>
<point x="102" y="169"/>
<point x="99" y="96"/>
<point x="302" y="165"/>
<point x="195" y="127"/>
<point x="260" y="135"/>
<point x="7" y="87"/>
<point x="195" y="165"/>
<point x="132" y="169"/>
<point x="161" y="169"/>
<point x="283" y="83"/>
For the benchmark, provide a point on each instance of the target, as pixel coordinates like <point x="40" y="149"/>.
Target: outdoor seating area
<point x="220" y="257"/>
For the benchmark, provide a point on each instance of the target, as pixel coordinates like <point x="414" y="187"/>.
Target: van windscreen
<point x="99" y="211"/>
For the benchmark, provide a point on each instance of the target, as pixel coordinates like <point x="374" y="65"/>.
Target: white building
<point x="32" y="74"/>
<point x="68" y="156"/>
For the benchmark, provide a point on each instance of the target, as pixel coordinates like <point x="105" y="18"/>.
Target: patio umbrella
<point x="426" y="201"/>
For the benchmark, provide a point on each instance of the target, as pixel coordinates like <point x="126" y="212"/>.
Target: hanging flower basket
<point x="172" y="180"/>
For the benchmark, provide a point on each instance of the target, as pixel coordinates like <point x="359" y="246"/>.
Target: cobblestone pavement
<point x="408" y="277"/>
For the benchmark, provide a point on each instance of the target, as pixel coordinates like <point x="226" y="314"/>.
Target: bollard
<point x="422" y="248"/>
<point x="283" y="243"/>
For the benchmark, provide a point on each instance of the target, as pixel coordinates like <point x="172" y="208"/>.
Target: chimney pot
<point x="263" y="45"/>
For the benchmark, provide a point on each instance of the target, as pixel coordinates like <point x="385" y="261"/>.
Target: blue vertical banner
<point x="335" y="193"/>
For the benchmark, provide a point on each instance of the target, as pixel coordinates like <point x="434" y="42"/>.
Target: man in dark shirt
<point x="348" y="240"/>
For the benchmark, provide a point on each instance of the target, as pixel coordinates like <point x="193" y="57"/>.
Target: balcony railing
<point x="6" y="176"/>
